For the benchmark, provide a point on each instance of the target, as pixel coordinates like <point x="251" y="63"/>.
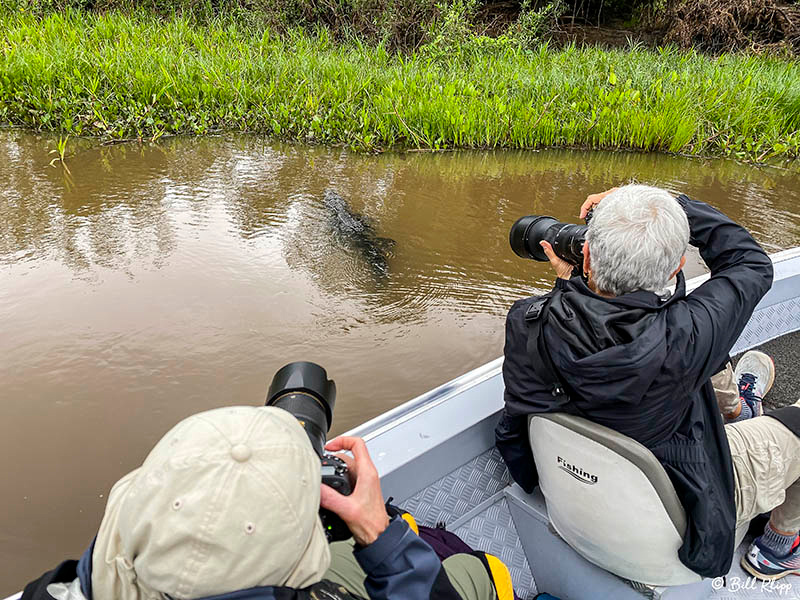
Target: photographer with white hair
<point x="626" y="347"/>
<point x="226" y="507"/>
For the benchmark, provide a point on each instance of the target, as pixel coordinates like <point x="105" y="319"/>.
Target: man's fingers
<point x="331" y="499"/>
<point x="338" y="443"/>
<point x="353" y="444"/>
<point x="555" y="261"/>
<point x="360" y="465"/>
<point x="593" y="200"/>
<point x="562" y="268"/>
<point x="343" y="442"/>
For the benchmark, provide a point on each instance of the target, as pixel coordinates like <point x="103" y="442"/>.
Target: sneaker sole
<point x="769" y="386"/>
<point x="771" y="377"/>
<point x="763" y="576"/>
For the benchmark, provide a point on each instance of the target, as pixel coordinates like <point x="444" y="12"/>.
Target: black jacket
<point x="641" y="365"/>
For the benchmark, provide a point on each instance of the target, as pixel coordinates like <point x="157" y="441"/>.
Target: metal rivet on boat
<point x="249" y="528"/>
<point x="177" y="504"/>
<point x="241" y="452"/>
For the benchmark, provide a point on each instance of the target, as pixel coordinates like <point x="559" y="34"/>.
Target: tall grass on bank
<point x="118" y="75"/>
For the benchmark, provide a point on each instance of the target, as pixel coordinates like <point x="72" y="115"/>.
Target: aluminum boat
<point x="437" y="459"/>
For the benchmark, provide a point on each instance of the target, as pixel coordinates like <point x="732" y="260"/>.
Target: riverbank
<point x="121" y="76"/>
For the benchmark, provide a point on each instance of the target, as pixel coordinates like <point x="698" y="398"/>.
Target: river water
<point x="151" y="282"/>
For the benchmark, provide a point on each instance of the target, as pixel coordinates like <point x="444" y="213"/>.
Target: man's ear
<point x="680" y="266"/>
<point x="586" y="259"/>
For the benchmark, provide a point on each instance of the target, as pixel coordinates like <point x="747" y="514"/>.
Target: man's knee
<point x="479" y="576"/>
<point x="726" y="390"/>
<point x="345" y="570"/>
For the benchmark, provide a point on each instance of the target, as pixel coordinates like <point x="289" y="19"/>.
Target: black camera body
<point x="335" y="474"/>
<point x="304" y="390"/>
<point x="566" y="239"/>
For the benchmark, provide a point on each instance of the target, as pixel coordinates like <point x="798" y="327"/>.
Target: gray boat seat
<point x="610" y="499"/>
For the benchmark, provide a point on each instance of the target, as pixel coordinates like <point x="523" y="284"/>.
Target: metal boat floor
<point x="738" y="584"/>
<point x="786" y="352"/>
<point x="471" y="502"/>
<point x="489" y="527"/>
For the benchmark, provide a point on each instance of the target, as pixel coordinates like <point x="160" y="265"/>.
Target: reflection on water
<point x="160" y="280"/>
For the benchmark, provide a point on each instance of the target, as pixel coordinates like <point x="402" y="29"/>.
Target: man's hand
<point x="592" y="200"/>
<point x="562" y="268"/>
<point x="363" y="511"/>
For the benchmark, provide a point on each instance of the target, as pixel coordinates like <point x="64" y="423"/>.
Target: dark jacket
<point x="641" y="365"/>
<point x="399" y="565"/>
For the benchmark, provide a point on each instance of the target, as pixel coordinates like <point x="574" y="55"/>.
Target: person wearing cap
<point x="225" y="507"/>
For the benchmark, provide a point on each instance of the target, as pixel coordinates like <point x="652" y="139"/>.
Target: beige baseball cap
<point x="226" y="501"/>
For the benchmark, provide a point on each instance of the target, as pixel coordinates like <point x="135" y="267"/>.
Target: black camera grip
<point x="335" y="474"/>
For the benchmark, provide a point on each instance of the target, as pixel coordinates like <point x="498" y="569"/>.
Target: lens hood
<point x="530" y="229"/>
<point x="305" y="377"/>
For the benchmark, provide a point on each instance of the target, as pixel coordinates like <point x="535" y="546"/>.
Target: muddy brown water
<point x="151" y="282"/>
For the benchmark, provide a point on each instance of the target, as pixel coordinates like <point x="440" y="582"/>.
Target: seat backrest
<point x="610" y="499"/>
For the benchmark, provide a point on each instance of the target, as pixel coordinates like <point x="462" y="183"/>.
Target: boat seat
<point x="610" y="499"/>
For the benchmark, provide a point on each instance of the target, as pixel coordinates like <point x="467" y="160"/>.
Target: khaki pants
<point x="465" y="572"/>
<point x="766" y="464"/>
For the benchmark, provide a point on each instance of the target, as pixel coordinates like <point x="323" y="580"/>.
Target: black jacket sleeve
<point x="741" y="273"/>
<point x="521" y="387"/>
<point x="63" y="573"/>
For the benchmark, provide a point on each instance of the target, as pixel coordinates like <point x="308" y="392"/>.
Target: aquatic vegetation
<point x="60" y="151"/>
<point x="137" y="76"/>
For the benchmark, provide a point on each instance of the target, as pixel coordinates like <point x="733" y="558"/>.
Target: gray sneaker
<point x="754" y="375"/>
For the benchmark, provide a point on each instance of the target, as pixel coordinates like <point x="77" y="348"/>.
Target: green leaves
<point x="118" y="76"/>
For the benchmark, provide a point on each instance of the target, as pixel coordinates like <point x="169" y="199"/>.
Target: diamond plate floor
<point x="492" y="530"/>
<point x="739" y="585"/>
<point x="454" y="494"/>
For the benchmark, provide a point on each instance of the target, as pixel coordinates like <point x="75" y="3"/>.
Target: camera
<point x="304" y="390"/>
<point x="566" y="238"/>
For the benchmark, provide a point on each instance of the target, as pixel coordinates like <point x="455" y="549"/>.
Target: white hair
<point x="637" y="237"/>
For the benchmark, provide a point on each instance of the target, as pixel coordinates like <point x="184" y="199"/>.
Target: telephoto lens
<point x="565" y="238"/>
<point x="304" y="390"/>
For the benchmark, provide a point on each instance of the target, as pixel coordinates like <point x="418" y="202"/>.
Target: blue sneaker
<point x="764" y="565"/>
<point x="754" y="374"/>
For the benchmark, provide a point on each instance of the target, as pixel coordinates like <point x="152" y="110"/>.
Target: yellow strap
<point x="411" y="522"/>
<point x="500" y="577"/>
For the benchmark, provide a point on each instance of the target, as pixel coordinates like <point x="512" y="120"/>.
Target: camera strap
<point x="537" y="350"/>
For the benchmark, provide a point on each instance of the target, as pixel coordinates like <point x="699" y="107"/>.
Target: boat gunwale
<point x="403" y="413"/>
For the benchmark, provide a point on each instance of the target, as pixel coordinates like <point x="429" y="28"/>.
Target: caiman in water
<point x="356" y="231"/>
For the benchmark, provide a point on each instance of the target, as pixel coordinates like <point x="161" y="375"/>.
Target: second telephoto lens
<point x="566" y="239"/>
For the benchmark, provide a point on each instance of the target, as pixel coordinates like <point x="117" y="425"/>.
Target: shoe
<point x="764" y="565"/>
<point x="754" y="374"/>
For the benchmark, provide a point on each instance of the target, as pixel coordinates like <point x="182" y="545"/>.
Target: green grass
<point x="136" y="76"/>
